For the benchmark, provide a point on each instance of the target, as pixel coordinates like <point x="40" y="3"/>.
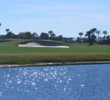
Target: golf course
<point x="11" y="53"/>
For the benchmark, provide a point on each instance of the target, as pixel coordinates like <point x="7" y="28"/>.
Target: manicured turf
<point x="11" y="54"/>
<point x="11" y="48"/>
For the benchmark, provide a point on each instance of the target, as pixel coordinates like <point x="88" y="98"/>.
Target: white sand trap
<point x="42" y="44"/>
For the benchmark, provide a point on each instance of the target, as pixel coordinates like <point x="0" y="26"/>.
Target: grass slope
<point x="11" y="54"/>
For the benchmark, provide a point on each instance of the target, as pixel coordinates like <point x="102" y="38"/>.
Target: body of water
<point x="79" y="82"/>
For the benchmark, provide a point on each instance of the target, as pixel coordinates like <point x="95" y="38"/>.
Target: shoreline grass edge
<point x="42" y="64"/>
<point x="53" y="59"/>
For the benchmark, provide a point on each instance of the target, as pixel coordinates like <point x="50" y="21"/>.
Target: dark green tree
<point x="10" y="35"/>
<point x="51" y="34"/>
<point x="28" y="35"/>
<point x="98" y="32"/>
<point x="105" y="33"/>
<point x="91" y="37"/>
<point x="93" y="30"/>
<point x="35" y="35"/>
<point x="44" y="35"/>
<point x="60" y="37"/>
<point x="7" y="30"/>
<point x="80" y="34"/>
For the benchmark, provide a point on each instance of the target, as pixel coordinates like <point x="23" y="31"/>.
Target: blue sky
<point x="66" y="17"/>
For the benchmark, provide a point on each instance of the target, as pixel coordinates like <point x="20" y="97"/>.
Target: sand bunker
<point x="43" y="44"/>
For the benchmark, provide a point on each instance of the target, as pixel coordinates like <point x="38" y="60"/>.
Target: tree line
<point x="50" y="35"/>
<point x="90" y="37"/>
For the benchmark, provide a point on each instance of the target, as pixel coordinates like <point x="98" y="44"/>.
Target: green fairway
<point x="12" y="48"/>
<point x="10" y="53"/>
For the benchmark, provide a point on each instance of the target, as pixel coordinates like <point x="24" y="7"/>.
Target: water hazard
<point x="80" y="82"/>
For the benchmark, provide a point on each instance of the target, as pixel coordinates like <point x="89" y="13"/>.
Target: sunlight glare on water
<point x="83" y="82"/>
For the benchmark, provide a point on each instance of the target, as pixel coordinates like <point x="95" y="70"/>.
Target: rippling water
<point x="81" y="82"/>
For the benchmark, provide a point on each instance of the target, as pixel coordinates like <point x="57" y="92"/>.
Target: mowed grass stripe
<point x="11" y="48"/>
<point x="26" y="50"/>
<point x="11" y="54"/>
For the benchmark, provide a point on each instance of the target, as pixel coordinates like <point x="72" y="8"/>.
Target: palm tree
<point x="88" y="33"/>
<point x="91" y="37"/>
<point x="93" y="30"/>
<point x="105" y="33"/>
<point x="50" y="33"/>
<point x="98" y="32"/>
<point x="81" y="33"/>
<point x="7" y="30"/>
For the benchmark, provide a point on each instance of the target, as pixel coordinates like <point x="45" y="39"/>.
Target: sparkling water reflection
<point x="84" y="82"/>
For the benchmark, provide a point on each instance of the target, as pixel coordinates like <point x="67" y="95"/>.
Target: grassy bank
<point x="30" y="59"/>
<point x="11" y="54"/>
